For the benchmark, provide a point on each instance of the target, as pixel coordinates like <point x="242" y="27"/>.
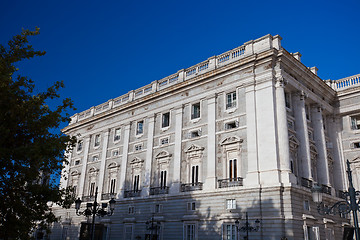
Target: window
<point x="195" y="111"/>
<point x="311" y="233"/>
<point x="77" y="162"/>
<point x="117" y="134"/>
<point x="131" y="210"/>
<point x="158" y="208"/>
<point x="230" y="204"/>
<point x="138" y="147"/>
<point x="95" y="158"/>
<point x="75" y="188"/>
<point x="189" y="231"/>
<point x="229" y="232"/>
<point x="231" y="125"/>
<point x="140" y="127"/>
<point x="115" y="153"/>
<point x="191" y="206"/>
<point x="112" y="185"/>
<point x="306" y="205"/>
<point x="195" y="174"/>
<point x="233" y="169"/>
<point x="355" y="145"/>
<point x="79" y="146"/>
<point x="195" y="133"/>
<point x="165" y="120"/>
<point x="164" y="140"/>
<point x="307" y="112"/>
<point x="163" y="179"/>
<point x="129" y="232"/>
<point x="231" y="100"/>
<point x="92" y="189"/>
<point x="97" y="140"/>
<point x="355" y="122"/>
<point x="287" y="100"/>
<point x="136" y="183"/>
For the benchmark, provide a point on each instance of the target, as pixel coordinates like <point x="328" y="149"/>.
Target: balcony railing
<point x="306" y="183"/>
<point x="132" y="193"/>
<point x="88" y="198"/>
<point x="230" y="182"/>
<point x="342" y="194"/>
<point x="159" y="190"/>
<point x="326" y="189"/>
<point x="230" y="104"/>
<point x="186" y="187"/>
<point x="107" y="196"/>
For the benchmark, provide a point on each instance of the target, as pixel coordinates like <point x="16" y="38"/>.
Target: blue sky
<point x="103" y="49"/>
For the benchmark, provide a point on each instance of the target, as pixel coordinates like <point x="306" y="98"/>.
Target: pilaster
<point x="84" y="166"/>
<point x="210" y="181"/>
<point x="149" y="156"/>
<point x="102" y="163"/>
<point x="123" y="167"/>
<point x="175" y="185"/>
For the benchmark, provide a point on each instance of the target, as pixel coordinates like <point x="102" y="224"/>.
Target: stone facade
<point x="248" y="131"/>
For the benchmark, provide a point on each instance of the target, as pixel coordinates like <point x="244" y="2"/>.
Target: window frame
<point x="82" y="146"/>
<point x="140" y="130"/>
<point x="233" y="103"/>
<point x="355" y="122"/>
<point x="167" y="116"/>
<point x="163" y="138"/>
<point x="117" y="138"/>
<point x="194" y="234"/>
<point x="97" y="140"/>
<point x="195" y="115"/>
<point x="230" y="204"/>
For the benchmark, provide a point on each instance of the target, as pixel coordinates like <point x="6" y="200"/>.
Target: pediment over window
<point x="75" y="173"/>
<point x="113" y="165"/>
<point x="93" y="170"/>
<point x="231" y="140"/>
<point x="313" y="151"/>
<point x="136" y="163"/>
<point x="163" y="154"/>
<point x="293" y="142"/>
<point x="193" y="148"/>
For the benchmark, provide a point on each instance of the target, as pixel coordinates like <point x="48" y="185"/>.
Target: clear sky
<point x="103" y="49"/>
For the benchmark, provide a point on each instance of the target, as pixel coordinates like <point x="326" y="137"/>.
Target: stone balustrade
<point x="255" y="46"/>
<point x="345" y="83"/>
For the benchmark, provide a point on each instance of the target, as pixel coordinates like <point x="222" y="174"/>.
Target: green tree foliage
<point x="31" y="146"/>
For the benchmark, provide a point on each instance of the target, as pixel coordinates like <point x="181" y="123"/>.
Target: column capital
<point x="302" y="95"/>
<point x="280" y="81"/>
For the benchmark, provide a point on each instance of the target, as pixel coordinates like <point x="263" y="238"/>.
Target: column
<point x="84" y="166"/>
<point x="210" y="181"/>
<point x="252" y="177"/>
<point x="121" y="186"/>
<point x="320" y="143"/>
<point x="175" y="185"/>
<point x="302" y="135"/>
<point x="102" y="163"/>
<point x="149" y="156"/>
<point x="282" y="133"/>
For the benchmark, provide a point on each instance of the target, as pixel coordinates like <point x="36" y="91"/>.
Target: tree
<point x="31" y="145"/>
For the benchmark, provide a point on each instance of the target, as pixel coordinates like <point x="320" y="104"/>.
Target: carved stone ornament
<point x="302" y="95"/>
<point x="163" y="154"/>
<point x="293" y="143"/>
<point x="231" y="140"/>
<point x="194" y="151"/>
<point x="313" y="151"/>
<point x="75" y="173"/>
<point x="113" y="165"/>
<point x="136" y="163"/>
<point x="280" y="81"/>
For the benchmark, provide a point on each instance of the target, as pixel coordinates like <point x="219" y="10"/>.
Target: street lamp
<point x="152" y="225"/>
<point x="342" y="207"/>
<point x="247" y="227"/>
<point x="94" y="209"/>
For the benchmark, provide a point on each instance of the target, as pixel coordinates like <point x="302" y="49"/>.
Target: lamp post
<point x="153" y="225"/>
<point x="94" y="209"/>
<point x="247" y="227"/>
<point x="342" y="207"/>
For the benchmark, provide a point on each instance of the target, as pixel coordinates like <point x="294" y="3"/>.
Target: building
<point x="244" y="133"/>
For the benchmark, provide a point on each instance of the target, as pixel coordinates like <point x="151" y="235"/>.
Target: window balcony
<point x="132" y="193"/>
<point x="306" y="183"/>
<point x="186" y="187"/>
<point x="230" y="182"/>
<point x="88" y="198"/>
<point x="159" y="190"/>
<point x="326" y="189"/>
<point x="107" y="196"/>
<point x="230" y="105"/>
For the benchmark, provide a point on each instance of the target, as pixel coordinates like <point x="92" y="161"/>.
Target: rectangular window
<point x="231" y="100"/>
<point x="195" y="174"/>
<point x="306" y="205"/>
<point x="79" y="146"/>
<point x="115" y="153"/>
<point x="163" y="179"/>
<point x="189" y="232"/>
<point x="230" y="204"/>
<point x="117" y="134"/>
<point x="164" y="141"/>
<point x="138" y="147"/>
<point x="311" y="233"/>
<point x="158" y="208"/>
<point x="131" y="210"/>
<point x="97" y="140"/>
<point x="233" y="170"/>
<point x="129" y="234"/>
<point x="355" y="122"/>
<point x="95" y="158"/>
<point x="195" y="111"/>
<point x="355" y="145"/>
<point x="229" y="232"/>
<point x="231" y="125"/>
<point x="92" y="189"/>
<point x="140" y="127"/>
<point x="112" y="185"/>
<point x="195" y="133"/>
<point x="287" y="100"/>
<point x="165" y="120"/>
<point x="136" y="183"/>
<point x="191" y="206"/>
<point x="77" y="162"/>
<point x="75" y="188"/>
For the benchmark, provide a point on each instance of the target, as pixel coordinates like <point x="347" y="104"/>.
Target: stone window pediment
<point x="313" y="151"/>
<point x="231" y="140"/>
<point x="136" y="163"/>
<point x="163" y="157"/>
<point x="194" y="152"/>
<point x="75" y="173"/>
<point x="293" y="143"/>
